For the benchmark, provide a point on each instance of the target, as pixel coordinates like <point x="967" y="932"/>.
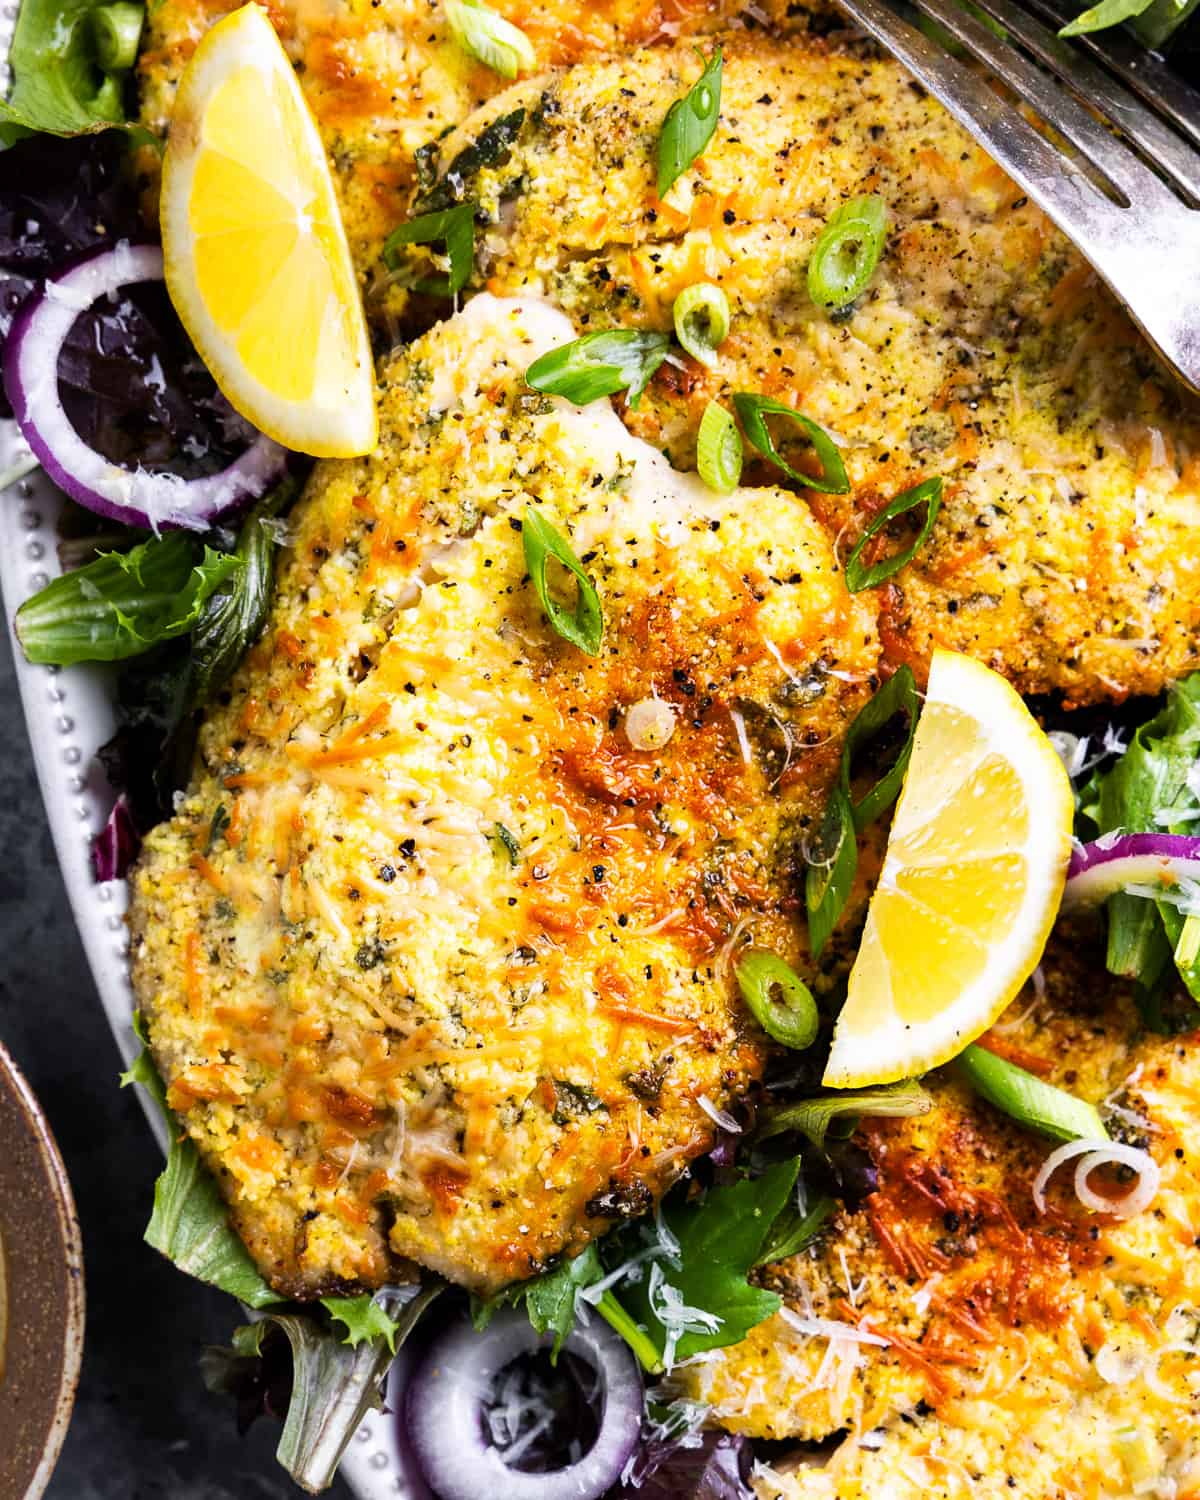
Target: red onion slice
<point x="461" y="1368"/>
<point x="137" y="497"/>
<point x="1099" y="1153"/>
<point x="1108" y="864"/>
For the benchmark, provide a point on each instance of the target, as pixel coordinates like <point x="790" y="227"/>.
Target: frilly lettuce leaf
<point x="69" y="59"/>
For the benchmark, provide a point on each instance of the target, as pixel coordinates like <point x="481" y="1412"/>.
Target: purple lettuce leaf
<point x="702" y="1466"/>
<point x="116" y="846"/>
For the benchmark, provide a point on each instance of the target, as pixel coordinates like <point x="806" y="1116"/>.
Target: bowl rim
<point x="55" y="1174"/>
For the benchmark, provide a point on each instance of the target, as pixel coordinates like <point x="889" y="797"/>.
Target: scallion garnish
<point x="690" y="124"/>
<point x="792" y="1017"/>
<point x="701" y="315"/>
<point x="489" y="38"/>
<point x="1029" y="1101"/>
<point x="898" y="695"/>
<point x="584" y="626"/>
<point x="847" y="252"/>
<point x="753" y="412"/>
<point x="116" y="32"/>
<point x="719" y="450"/>
<point x="452" y="227"/>
<point x="505" y="841"/>
<point x="600" y="364"/>
<point x="813" y="1117"/>
<point x="834" y="861"/>
<point x="859" y="575"/>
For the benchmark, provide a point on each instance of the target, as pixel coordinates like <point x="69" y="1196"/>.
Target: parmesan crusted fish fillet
<point x="980" y="1347"/>
<point x="385" y="78"/>
<point x="984" y="350"/>
<point x="434" y="961"/>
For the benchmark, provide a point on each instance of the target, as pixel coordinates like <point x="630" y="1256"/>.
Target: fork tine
<point x="1138" y="124"/>
<point x="1054" y="183"/>
<point x="1142" y="71"/>
<point x="1131" y="177"/>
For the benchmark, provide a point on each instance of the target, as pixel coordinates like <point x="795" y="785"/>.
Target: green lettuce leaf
<point x="795" y="1229"/>
<point x="334" y="1382"/>
<point x="1153" y="788"/>
<point x="363" y="1317"/>
<point x="550" y="1302"/>
<point x="124" y="602"/>
<point x="813" y="1117"/>
<point x="720" y="1240"/>
<point x="69" y="60"/>
<point x="234" y="615"/>
<point x="190" y="1223"/>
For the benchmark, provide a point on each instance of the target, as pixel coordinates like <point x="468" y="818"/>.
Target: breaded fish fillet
<point x="435" y="954"/>
<point x="385" y="78"/>
<point x="1006" y="1352"/>
<point x="985" y="350"/>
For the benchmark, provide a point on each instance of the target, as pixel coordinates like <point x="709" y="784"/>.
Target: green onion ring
<point x="858" y="575"/>
<point x="701" y="315"/>
<point x="792" y="1019"/>
<point x="719" y="449"/>
<point x="847" y="252"/>
<point x="116" y="32"/>
<point x="584" y="626"/>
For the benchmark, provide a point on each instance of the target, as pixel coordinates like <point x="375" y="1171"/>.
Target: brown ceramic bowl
<point x="43" y="1275"/>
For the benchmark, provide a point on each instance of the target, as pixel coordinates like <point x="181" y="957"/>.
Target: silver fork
<point x="1138" y="225"/>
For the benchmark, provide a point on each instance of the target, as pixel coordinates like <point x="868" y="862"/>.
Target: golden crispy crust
<point x="984" y="350"/>
<point x="994" y="1315"/>
<point x="390" y="1041"/>
<point x="394" y="1028"/>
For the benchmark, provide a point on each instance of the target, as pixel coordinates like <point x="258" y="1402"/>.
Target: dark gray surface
<point x="144" y="1425"/>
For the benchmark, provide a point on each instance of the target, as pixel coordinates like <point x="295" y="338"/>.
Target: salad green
<point x="70" y="60"/>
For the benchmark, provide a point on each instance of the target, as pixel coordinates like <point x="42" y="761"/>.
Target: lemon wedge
<point x="255" y="254"/>
<point x="970" y="885"/>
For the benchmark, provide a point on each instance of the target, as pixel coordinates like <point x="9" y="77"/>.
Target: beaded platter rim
<point x="69" y="713"/>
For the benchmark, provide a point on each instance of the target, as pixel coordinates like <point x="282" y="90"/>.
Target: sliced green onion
<point x="792" y="1018"/>
<point x="829" y="878"/>
<point x="489" y="38"/>
<point x="1137" y="945"/>
<point x="792" y="1231"/>
<point x="719" y="450"/>
<point x="898" y="695"/>
<point x="847" y="252"/>
<point x="583" y="627"/>
<point x="600" y="364"/>
<point x="701" y="315"/>
<point x="116" y="32"/>
<point x="858" y="575"/>
<point x="813" y="1117"/>
<point x="1028" y="1100"/>
<point x="1107" y="13"/>
<point x="452" y="227"/>
<point x="504" y="841"/>
<point x="753" y="412"/>
<point x="690" y="124"/>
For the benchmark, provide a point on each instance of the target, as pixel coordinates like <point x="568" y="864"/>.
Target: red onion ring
<point x="135" y="497"/>
<point x="1108" y="864"/>
<point x="1099" y="1153"/>
<point x="445" y="1412"/>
